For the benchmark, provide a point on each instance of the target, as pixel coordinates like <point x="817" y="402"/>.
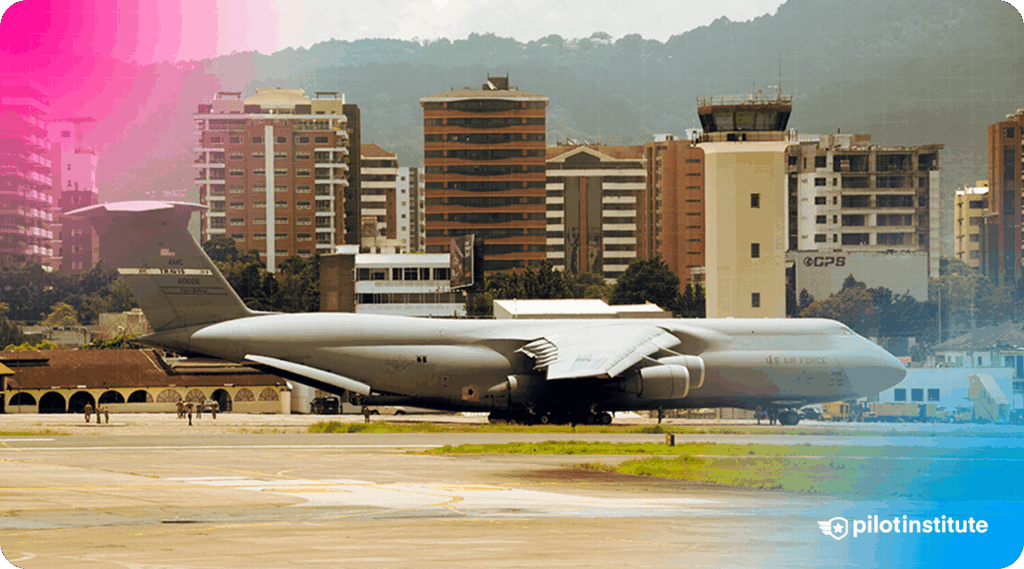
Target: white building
<point x="406" y="285"/>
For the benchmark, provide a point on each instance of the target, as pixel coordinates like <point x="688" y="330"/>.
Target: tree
<point x="590" y="285"/>
<point x="10" y="333"/>
<point x="221" y="249"/>
<point x="649" y="280"/>
<point x="61" y="314"/>
<point x="851" y="306"/>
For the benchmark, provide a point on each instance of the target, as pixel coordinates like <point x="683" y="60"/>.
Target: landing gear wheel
<point x="590" y="419"/>
<point x="545" y="419"/>
<point x="606" y="418"/>
<point x="788" y="418"/>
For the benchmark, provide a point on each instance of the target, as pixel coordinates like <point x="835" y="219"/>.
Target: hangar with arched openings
<point x="134" y="381"/>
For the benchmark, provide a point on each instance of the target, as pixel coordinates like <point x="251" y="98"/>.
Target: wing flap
<point x="597" y="351"/>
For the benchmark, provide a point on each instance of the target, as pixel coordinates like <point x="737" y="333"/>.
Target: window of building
<point x="235" y="139"/>
<point x="281" y="140"/>
<point x="819" y="181"/>
<point x="792" y="160"/>
<point x="303" y="140"/>
<point x="441" y="274"/>
<point x="821" y="219"/>
<point x="933" y="395"/>
<point x="755" y="250"/>
<point x="1009" y="132"/>
<point x="820" y="200"/>
<point x="216" y="140"/>
<point x="820" y="238"/>
<point x="917" y="394"/>
<point x="755" y="300"/>
<point x="899" y="394"/>
<point x="257" y="140"/>
<point x="320" y="140"/>
<point x="819" y="161"/>
<point x="755" y="200"/>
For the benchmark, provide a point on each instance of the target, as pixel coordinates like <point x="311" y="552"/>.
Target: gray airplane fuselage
<point x="466" y="364"/>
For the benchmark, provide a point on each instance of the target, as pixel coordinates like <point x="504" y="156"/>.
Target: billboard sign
<point x="461" y="266"/>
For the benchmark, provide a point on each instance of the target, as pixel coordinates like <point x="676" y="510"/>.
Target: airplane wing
<point x="597" y="351"/>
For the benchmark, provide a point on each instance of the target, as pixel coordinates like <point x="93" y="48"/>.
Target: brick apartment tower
<point x="1001" y="234"/>
<point x="485" y="173"/>
<point x="279" y="167"/>
<point x="25" y="170"/>
<point x="673" y="210"/>
<point x="75" y="243"/>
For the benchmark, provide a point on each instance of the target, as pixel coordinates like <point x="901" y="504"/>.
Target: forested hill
<point x="906" y="71"/>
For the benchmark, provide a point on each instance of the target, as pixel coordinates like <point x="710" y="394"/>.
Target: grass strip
<point x="713" y="450"/>
<point x="926" y="473"/>
<point x="431" y="427"/>
<point x="45" y="432"/>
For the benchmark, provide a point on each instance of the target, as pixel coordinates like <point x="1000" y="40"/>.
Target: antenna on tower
<point x="780" y="74"/>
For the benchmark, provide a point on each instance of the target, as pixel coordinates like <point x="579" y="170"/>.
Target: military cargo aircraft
<point x="521" y="370"/>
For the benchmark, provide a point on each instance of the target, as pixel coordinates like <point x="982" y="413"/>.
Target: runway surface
<point x="151" y="501"/>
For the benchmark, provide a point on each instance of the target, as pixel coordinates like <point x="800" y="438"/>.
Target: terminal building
<point x="394" y="284"/>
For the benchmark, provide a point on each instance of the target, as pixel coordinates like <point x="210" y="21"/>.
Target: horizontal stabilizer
<point x="312" y="373"/>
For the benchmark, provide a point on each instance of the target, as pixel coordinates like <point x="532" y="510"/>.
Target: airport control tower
<point x="744" y="143"/>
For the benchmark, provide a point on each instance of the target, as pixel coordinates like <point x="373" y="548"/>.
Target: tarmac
<point x="258" y="491"/>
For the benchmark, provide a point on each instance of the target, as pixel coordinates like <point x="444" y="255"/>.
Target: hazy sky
<point x="309" y="21"/>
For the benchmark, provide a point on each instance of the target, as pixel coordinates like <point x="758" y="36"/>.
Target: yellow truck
<point x="901" y="413"/>
<point x="836" y="411"/>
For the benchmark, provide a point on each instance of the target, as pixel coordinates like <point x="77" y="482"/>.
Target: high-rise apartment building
<point x="26" y="201"/>
<point x="410" y="186"/>
<point x="595" y="197"/>
<point x="378" y="179"/>
<point x="1001" y="236"/>
<point x="484" y="162"/>
<point x="846" y="194"/>
<point x="970" y="209"/>
<point x="280" y="171"/>
<point x="75" y="245"/>
<point x="673" y="217"/>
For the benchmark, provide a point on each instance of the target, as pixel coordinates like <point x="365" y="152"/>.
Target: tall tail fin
<point x="172" y="278"/>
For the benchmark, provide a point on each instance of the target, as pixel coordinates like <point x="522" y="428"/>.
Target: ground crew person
<point x="758" y="411"/>
<point x="106" y="414"/>
<point x="214" y="409"/>
<point x="88" y="412"/>
<point x="199" y="410"/>
<point x="366" y="414"/>
<point x="181" y="409"/>
<point x="188" y="410"/>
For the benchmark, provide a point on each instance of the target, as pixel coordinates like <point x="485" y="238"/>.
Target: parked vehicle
<point x="329" y="405"/>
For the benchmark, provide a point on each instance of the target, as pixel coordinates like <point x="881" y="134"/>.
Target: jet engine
<point x="668" y="378"/>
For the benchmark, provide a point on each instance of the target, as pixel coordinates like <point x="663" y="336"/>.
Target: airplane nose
<point x="871" y="370"/>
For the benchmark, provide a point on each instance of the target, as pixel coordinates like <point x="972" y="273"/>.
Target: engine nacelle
<point x="695" y="365"/>
<point x="664" y="382"/>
